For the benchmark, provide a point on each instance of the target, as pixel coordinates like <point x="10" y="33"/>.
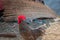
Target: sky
<point x="54" y="4"/>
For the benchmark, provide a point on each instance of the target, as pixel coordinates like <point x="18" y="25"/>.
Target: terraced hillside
<point x="28" y="8"/>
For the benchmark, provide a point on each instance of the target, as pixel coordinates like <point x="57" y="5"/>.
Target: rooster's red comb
<point x="20" y="18"/>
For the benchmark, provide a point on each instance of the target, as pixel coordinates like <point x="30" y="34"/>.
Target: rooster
<point x="31" y="29"/>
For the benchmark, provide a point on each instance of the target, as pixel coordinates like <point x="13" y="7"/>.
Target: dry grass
<point x="53" y="32"/>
